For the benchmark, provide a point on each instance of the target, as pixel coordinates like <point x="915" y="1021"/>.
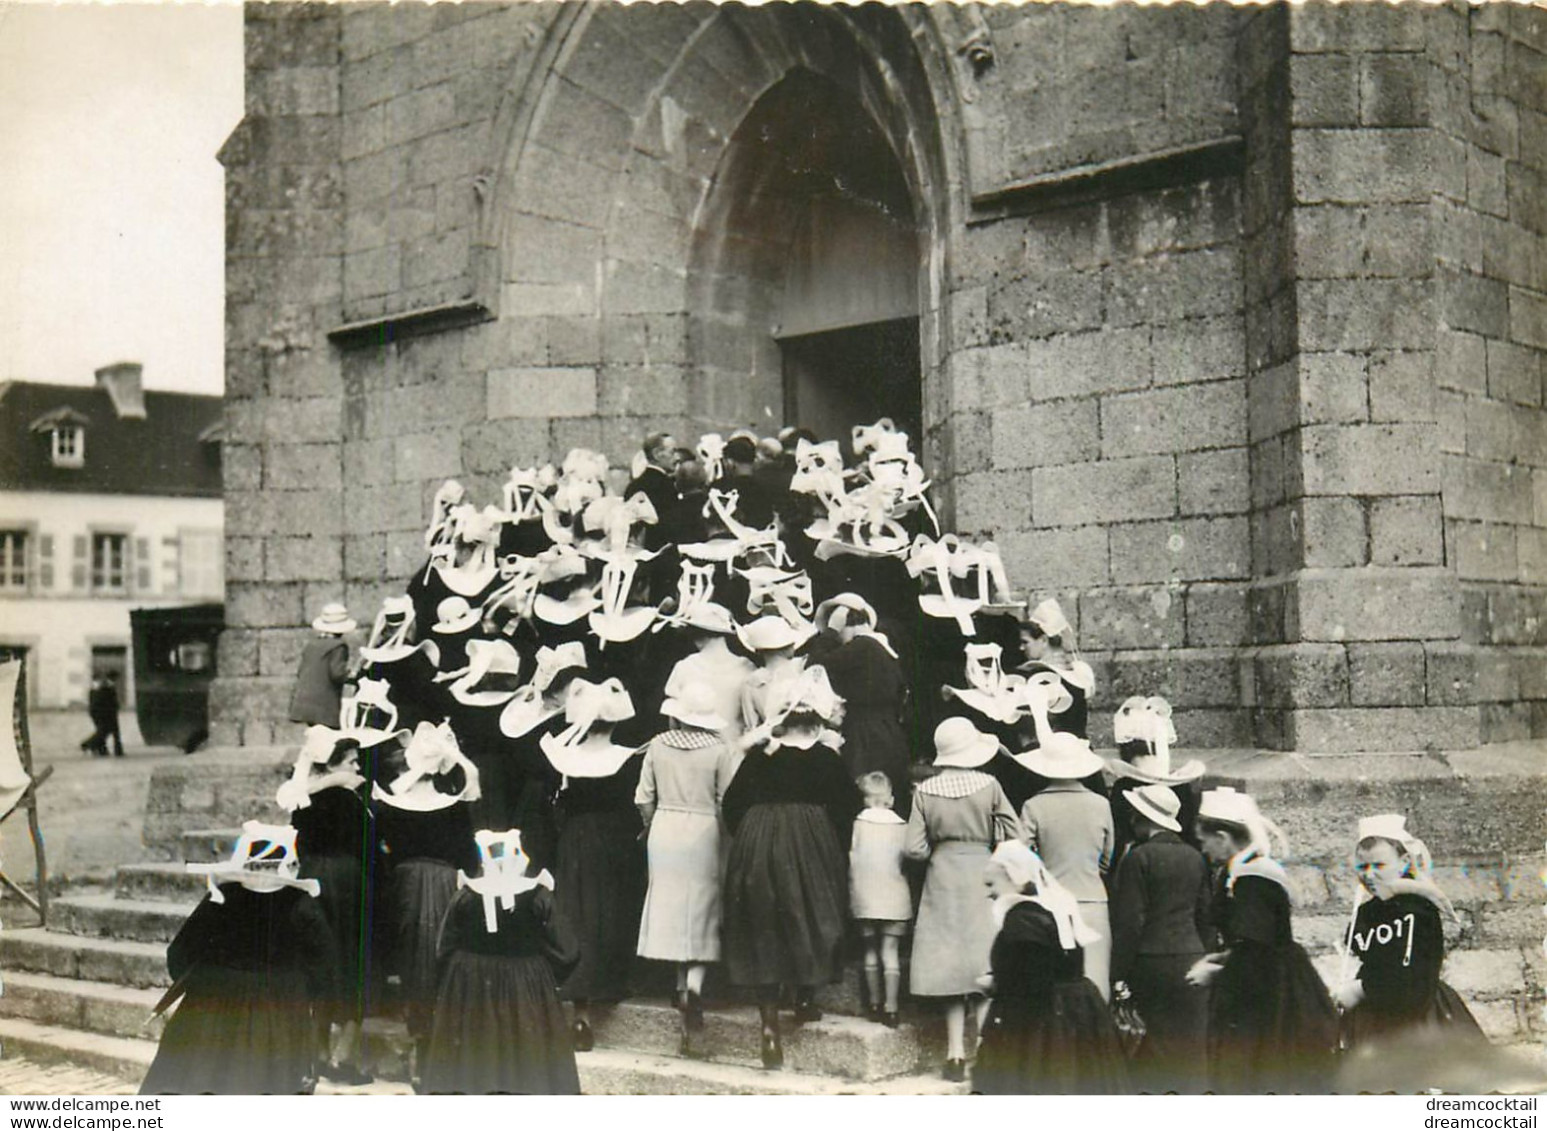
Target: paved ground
<point x="91" y="810"/>
<point x="20" y="1077"/>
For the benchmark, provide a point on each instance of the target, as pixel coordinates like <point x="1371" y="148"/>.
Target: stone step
<point x="618" y="1072"/>
<point x="204" y="846"/>
<point x="62" y="955"/>
<point x="93" y="1007"/>
<point x="126" y="1058"/>
<point x="217" y="788"/>
<point x="102" y="916"/>
<point x="22" y="1077"/>
<point x="168" y="883"/>
<point x="847" y="1048"/>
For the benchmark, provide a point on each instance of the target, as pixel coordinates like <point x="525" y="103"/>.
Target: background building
<point x="110" y="499"/>
<point x="1227" y="323"/>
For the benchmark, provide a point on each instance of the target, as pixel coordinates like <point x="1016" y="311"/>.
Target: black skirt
<point x="236" y="1032"/>
<point x="343" y="903"/>
<point x="599" y="893"/>
<point x="1063" y="1045"/>
<point x="786" y="897"/>
<point x="422" y="890"/>
<point x="499" y="1027"/>
<point x="1272" y="1027"/>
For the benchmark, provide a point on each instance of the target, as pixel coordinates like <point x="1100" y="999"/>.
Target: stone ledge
<point x="389" y="328"/>
<point x="1165" y="168"/>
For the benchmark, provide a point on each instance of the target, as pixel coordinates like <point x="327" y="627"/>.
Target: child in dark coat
<point x="1160" y="903"/>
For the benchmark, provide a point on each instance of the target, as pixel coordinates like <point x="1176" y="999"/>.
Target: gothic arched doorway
<point x="804" y="276"/>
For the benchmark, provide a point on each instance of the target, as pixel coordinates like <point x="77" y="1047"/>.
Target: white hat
<point x="1227" y="805"/>
<point x="454" y="615"/>
<point x="390" y="632"/>
<point x="1393" y="827"/>
<point x="317" y="750"/>
<point x="527" y="708"/>
<point x="433" y="750"/>
<point x="372" y="698"/>
<point x="1049" y="617"/>
<point x="768" y="634"/>
<point x="616" y="621"/>
<point x="1149" y="721"/>
<point x="574" y="751"/>
<point x="1064" y="757"/>
<point x="334" y="620"/>
<point x="1157" y="803"/>
<point x="694" y="706"/>
<point x="486" y="658"/>
<point x="565" y="564"/>
<point x="263" y="860"/>
<point x="960" y="744"/>
<point x="502" y="876"/>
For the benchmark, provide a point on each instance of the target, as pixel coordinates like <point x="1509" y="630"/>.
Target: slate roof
<point x="162" y="454"/>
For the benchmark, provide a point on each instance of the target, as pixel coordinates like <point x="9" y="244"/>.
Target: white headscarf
<point x="1025" y="867"/>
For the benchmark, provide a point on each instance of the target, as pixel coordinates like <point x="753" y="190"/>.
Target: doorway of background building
<point x="856" y="375"/>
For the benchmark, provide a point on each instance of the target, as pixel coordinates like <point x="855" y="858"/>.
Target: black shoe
<point x="773" y="1050"/>
<point x="693" y="1011"/>
<point x="890" y="1019"/>
<point x="348" y="1074"/>
<point x="584" y="1039"/>
<point x="955" y="1071"/>
<point x="807" y="1011"/>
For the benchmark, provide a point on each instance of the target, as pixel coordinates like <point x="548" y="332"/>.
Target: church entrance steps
<point x="118" y="961"/>
<point x="126" y="1058"/>
<point x="168" y="882"/>
<point x="105" y="916"/>
<point x="92" y="1007"/>
<point x="205" y="846"/>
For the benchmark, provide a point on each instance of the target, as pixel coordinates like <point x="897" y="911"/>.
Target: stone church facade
<point x="1228" y="324"/>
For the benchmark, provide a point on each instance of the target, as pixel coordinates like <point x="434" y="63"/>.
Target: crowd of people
<point x="747" y="712"/>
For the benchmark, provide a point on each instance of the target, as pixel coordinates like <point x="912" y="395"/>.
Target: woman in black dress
<point x="336" y="841"/>
<point x="1048" y="1031"/>
<point x="246" y="968"/>
<point x="498" y="1024"/>
<point x="789" y="808"/>
<point x="1272" y="1027"/>
<point x="600" y="866"/>
<point x="427" y="829"/>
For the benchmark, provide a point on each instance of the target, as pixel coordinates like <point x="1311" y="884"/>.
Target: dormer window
<point x="66" y="430"/>
<point x="69" y="445"/>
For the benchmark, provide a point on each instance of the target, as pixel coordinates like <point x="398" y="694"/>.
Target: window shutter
<point x="45" y="562"/>
<point x="142" y="565"/>
<point x="171" y="567"/>
<point x="78" y="575"/>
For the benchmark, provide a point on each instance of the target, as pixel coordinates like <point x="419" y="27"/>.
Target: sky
<point x="112" y="209"/>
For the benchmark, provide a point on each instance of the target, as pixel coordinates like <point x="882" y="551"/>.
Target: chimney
<point x="122" y="382"/>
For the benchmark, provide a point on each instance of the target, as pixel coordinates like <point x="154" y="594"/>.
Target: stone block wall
<point x="1107" y="389"/>
<point x="285" y="237"/>
<point x="1488" y="90"/>
<point x="1231" y="320"/>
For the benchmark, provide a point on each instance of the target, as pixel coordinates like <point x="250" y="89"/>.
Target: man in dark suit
<point x="102" y="705"/>
<point x="1159" y="908"/>
<point x="657" y="483"/>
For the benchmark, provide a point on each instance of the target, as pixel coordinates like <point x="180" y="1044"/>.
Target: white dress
<point x="685" y="774"/>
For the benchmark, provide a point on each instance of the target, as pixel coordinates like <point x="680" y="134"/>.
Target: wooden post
<point x="24" y="748"/>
